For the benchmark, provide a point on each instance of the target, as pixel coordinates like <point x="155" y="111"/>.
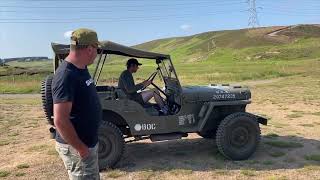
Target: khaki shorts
<point x="78" y="168"/>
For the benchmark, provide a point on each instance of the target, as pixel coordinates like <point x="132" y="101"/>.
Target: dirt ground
<point x="289" y="148"/>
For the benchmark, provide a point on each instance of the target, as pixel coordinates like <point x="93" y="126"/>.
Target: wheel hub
<point x="105" y="147"/>
<point x="240" y="136"/>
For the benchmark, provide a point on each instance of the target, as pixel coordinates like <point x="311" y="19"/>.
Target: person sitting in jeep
<point x="126" y="83"/>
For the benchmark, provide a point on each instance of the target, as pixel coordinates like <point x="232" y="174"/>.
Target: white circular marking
<point x="137" y="127"/>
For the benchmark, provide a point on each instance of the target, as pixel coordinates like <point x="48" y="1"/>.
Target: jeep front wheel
<point x="238" y="136"/>
<point x="111" y="145"/>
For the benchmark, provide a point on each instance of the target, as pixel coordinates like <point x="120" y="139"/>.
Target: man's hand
<point x="146" y="83"/>
<point x="83" y="152"/>
<point x="66" y="129"/>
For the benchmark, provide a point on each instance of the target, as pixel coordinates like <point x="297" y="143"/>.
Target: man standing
<point x="77" y="110"/>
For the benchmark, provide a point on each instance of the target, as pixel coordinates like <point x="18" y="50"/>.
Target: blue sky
<point x="28" y="26"/>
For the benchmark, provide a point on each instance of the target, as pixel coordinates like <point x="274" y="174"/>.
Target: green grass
<point x="222" y="172"/>
<point x="38" y="148"/>
<point x="177" y="172"/>
<point x="4" y="173"/>
<point x="290" y="160"/>
<point x="13" y="134"/>
<point x="47" y="65"/>
<point x="23" y="166"/>
<point x="146" y="174"/>
<point x="307" y="125"/>
<point x="4" y="142"/>
<point x="268" y="162"/>
<point x="271" y="135"/>
<point x="313" y="157"/>
<point x="247" y="172"/>
<point x="277" y="178"/>
<point x="19" y="174"/>
<point x="309" y="167"/>
<point x="296" y="115"/>
<point x="316" y="113"/>
<point x="276" y="153"/>
<point x="115" y="174"/>
<point x="52" y="151"/>
<point x="284" y="144"/>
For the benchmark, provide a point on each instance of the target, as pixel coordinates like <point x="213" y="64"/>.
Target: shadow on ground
<point x="284" y="152"/>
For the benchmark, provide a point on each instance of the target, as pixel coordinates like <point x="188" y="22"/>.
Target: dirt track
<point x="27" y="152"/>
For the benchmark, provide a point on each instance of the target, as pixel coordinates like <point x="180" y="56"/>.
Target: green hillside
<point x="235" y="55"/>
<point x="202" y="47"/>
<point x="210" y="57"/>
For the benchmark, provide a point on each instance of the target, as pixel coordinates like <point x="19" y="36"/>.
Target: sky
<point x="27" y="27"/>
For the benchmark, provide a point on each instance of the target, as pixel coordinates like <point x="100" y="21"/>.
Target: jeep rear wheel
<point x="111" y="145"/>
<point x="238" y="136"/>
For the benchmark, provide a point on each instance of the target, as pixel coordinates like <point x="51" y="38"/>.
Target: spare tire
<point x="47" y="102"/>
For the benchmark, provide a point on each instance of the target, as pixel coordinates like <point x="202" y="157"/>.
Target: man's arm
<point x="66" y="129"/>
<point x="129" y="84"/>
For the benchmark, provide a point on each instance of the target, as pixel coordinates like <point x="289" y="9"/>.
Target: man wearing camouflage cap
<point x="77" y="110"/>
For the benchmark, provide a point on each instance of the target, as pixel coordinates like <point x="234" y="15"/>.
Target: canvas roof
<point x="109" y="47"/>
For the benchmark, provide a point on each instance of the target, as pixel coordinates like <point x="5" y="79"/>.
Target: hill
<point x="210" y="57"/>
<point x="203" y="46"/>
<point x="25" y="59"/>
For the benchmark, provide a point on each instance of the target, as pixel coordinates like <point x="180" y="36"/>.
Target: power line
<point x="99" y="0"/>
<point x="300" y="14"/>
<point x="116" y="6"/>
<point x="111" y="11"/>
<point x="106" y="19"/>
<point x="131" y="17"/>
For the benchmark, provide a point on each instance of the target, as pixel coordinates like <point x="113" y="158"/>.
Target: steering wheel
<point x="172" y="105"/>
<point x="151" y="78"/>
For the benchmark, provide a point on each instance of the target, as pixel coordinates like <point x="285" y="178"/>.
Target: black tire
<point x="207" y="134"/>
<point x="111" y="145"/>
<point x="238" y="136"/>
<point x="47" y="102"/>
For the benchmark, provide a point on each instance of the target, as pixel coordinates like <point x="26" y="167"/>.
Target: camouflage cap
<point x="84" y="36"/>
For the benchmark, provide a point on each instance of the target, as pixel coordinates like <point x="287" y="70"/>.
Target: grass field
<point x="289" y="148"/>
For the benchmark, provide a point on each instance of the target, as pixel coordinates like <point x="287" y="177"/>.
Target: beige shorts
<point x="78" y="168"/>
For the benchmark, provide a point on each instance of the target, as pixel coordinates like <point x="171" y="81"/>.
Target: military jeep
<point x="215" y="111"/>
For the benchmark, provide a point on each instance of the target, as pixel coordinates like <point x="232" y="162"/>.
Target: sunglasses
<point x="94" y="46"/>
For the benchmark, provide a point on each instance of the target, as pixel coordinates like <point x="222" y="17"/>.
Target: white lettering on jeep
<point x="186" y="119"/>
<point x="224" y="96"/>
<point x="144" y="127"/>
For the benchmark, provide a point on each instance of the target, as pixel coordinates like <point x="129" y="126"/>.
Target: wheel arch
<point x="116" y="119"/>
<point x="217" y="114"/>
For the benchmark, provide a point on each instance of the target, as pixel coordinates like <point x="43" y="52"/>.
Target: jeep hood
<point x="215" y="93"/>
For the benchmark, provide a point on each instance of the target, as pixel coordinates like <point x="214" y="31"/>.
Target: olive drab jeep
<point x="215" y="111"/>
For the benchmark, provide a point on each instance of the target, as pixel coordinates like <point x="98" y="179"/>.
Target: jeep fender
<point x="208" y="108"/>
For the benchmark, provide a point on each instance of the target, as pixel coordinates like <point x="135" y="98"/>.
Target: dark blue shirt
<point x="71" y="84"/>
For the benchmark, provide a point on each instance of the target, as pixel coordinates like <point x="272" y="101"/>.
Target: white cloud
<point x="67" y="34"/>
<point x="185" y="27"/>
